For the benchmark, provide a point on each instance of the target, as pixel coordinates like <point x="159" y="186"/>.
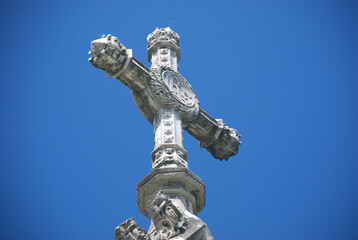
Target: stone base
<point x="173" y="182"/>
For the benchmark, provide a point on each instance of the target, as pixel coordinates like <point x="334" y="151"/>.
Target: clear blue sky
<point x="73" y="145"/>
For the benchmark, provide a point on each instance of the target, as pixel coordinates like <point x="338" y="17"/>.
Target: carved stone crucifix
<point x="162" y="94"/>
<point x="168" y="102"/>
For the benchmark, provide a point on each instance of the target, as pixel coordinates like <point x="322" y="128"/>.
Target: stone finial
<point x="163" y="34"/>
<point x="109" y="54"/>
<point x="163" y="37"/>
<point x="224" y="143"/>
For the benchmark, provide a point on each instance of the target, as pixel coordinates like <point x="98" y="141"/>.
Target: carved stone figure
<point x="170" y="220"/>
<point x="167" y="219"/>
<point x="171" y="195"/>
<point x="129" y="230"/>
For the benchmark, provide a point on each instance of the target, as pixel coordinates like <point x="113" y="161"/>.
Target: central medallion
<point x="182" y="95"/>
<point x="180" y="88"/>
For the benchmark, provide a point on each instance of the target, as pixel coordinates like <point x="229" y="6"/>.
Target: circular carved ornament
<point x="175" y="92"/>
<point x="180" y="88"/>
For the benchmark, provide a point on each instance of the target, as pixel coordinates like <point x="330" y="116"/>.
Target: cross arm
<point x="108" y="54"/>
<point x="214" y="135"/>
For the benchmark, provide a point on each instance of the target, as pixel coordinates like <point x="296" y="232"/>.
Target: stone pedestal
<point x="171" y="197"/>
<point x="175" y="183"/>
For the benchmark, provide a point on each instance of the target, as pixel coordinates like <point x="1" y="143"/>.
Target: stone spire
<point x="171" y="195"/>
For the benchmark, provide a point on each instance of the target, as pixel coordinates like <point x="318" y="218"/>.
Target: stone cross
<point x="171" y="195"/>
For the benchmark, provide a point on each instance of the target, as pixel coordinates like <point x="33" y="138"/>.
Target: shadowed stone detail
<point x="129" y="230"/>
<point x="171" y="220"/>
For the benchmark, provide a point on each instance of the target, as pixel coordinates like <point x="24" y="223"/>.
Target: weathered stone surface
<point x="129" y="230"/>
<point x="171" y="220"/>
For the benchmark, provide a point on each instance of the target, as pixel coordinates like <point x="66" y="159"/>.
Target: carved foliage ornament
<point x="174" y="91"/>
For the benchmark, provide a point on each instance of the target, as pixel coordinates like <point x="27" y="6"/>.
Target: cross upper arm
<point x="108" y="54"/>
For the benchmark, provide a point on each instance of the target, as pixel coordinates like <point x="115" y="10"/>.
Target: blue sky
<point x="73" y="145"/>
